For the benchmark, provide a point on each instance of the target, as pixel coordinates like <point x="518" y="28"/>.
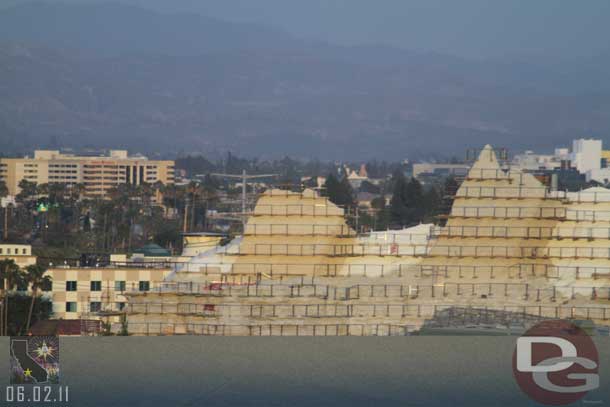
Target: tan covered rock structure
<point x="509" y="245"/>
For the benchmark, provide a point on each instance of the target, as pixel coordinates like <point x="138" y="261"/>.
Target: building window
<point x="8" y="250"/>
<point x="119" y="286"/>
<point x="23" y="251"/>
<point x="70" y="285"/>
<point x="96" y="286"/>
<point x="95" y="306"/>
<point x="120" y="306"/>
<point x="71" y="306"/>
<point x="144" y="285"/>
<point x="1" y="250"/>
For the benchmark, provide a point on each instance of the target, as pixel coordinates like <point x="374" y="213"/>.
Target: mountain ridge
<point x="276" y="95"/>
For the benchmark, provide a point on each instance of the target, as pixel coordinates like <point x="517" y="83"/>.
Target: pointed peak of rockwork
<point x="487" y="160"/>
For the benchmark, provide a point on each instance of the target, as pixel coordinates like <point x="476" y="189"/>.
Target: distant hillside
<point x="111" y="75"/>
<point x="114" y="29"/>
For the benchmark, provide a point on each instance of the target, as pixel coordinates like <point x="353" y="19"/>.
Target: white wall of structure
<point x="562" y="153"/>
<point x="532" y="161"/>
<point x="586" y="155"/>
<point x="601" y="175"/>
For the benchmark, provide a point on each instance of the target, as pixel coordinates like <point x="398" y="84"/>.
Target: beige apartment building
<point x="85" y="292"/>
<point x="90" y="292"/>
<point x="97" y="173"/>
<point x="21" y="254"/>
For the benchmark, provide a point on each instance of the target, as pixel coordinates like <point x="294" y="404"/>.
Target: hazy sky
<point x="480" y="28"/>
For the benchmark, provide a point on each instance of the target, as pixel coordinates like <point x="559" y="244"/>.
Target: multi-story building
<point x="85" y="292"/>
<point x="97" y="173"/>
<point x="586" y="154"/>
<point x="21" y="254"/>
<point x="530" y="161"/>
<point x="439" y="169"/>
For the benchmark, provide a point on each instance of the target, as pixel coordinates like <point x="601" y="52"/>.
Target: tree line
<point x="60" y="220"/>
<point x="410" y="204"/>
<point x="20" y="311"/>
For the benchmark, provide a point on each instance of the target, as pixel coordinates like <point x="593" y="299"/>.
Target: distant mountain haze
<point x="470" y="28"/>
<point x="111" y="75"/>
<point x="114" y="29"/>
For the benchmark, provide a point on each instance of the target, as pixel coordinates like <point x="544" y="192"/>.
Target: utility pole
<point x="186" y="214"/>
<point x="244" y="179"/>
<point x="5" y="203"/>
<point x="5" y="230"/>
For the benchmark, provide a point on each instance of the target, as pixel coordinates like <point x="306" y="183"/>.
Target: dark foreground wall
<point x="216" y="371"/>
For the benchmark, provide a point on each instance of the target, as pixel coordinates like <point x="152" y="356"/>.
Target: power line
<point x="244" y="179"/>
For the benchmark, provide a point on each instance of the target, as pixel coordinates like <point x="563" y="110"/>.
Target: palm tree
<point x="77" y="192"/>
<point x="199" y="194"/>
<point x="28" y="190"/>
<point x="3" y="189"/>
<point x="3" y="193"/>
<point x="43" y="190"/>
<point x="35" y="276"/>
<point x="11" y="275"/>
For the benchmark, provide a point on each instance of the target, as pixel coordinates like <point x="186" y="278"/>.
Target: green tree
<point x="339" y="192"/>
<point x="347" y="197"/>
<point x="195" y="165"/>
<point x="378" y="206"/>
<point x="35" y="276"/>
<point x="3" y="189"/>
<point x="19" y="307"/>
<point x="331" y="186"/>
<point x="28" y="190"/>
<point x="415" y="202"/>
<point x="11" y="276"/>
<point x="407" y="206"/>
<point x="366" y="186"/>
<point x="432" y="204"/>
<point x="378" y="203"/>
<point x="398" y="208"/>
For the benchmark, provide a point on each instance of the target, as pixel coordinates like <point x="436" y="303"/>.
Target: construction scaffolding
<point x="512" y="251"/>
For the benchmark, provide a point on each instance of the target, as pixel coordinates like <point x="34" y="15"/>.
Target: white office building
<point x="586" y="155"/>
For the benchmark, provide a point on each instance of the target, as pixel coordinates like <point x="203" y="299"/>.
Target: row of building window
<point x="94" y="306"/>
<point x="118" y="286"/>
<point x="16" y="251"/>
<point x="63" y="166"/>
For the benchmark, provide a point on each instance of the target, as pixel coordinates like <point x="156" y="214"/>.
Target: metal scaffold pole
<point x="244" y="180"/>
